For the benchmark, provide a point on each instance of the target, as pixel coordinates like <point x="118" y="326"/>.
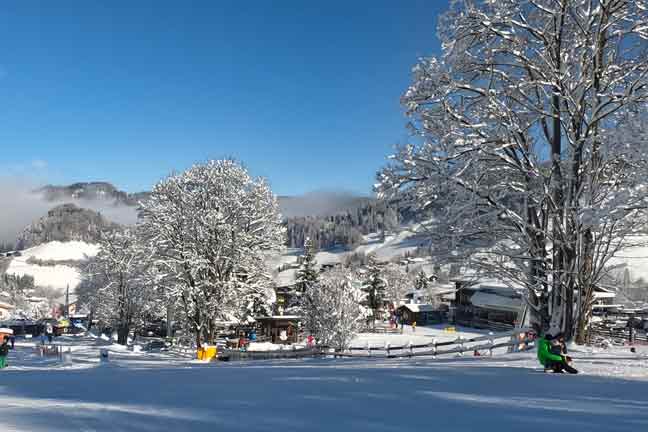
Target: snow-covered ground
<point x="57" y="276"/>
<point x="152" y="392"/>
<point x="422" y="335"/>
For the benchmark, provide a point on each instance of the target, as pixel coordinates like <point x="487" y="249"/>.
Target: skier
<point x="12" y="339"/>
<point x="4" y="351"/>
<point x="552" y="356"/>
<point x="413" y="326"/>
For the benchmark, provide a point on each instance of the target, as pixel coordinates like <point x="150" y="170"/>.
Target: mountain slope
<point x="65" y="222"/>
<point x="91" y="191"/>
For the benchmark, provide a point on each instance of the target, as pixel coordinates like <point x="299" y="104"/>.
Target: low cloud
<point x="20" y="206"/>
<point x="319" y="203"/>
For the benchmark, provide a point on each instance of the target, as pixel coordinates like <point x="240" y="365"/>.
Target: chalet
<point x="422" y="314"/>
<point x="488" y="304"/>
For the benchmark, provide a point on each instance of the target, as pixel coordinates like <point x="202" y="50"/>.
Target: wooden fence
<point x="515" y="340"/>
<point x="619" y="335"/>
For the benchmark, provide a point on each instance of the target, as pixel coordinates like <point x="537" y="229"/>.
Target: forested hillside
<point x="344" y="229"/>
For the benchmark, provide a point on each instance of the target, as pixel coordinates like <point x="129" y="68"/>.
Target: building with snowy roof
<point x="422" y="314"/>
<point x="487" y="304"/>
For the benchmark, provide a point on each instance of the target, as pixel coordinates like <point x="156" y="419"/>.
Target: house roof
<point x="279" y="318"/>
<point x="489" y="300"/>
<point x="415" y="307"/>
<point x="603" y="295"/>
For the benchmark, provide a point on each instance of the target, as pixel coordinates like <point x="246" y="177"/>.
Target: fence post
<point x="411" y="350"/>
<point x="491" y="343"/>
<point x="387" y="348"/>
<point x="368" y="350"/>
<point x="434" y="348"/>
<point x="461" y="346"/>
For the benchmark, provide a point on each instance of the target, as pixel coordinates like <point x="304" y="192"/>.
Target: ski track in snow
<point x="163" y="391"/>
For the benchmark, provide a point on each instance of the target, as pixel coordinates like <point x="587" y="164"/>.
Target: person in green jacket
<point x="550" y="360"/>
<point x="4" y="351"/>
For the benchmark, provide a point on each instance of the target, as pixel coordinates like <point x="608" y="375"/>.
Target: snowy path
<point x="152" y="393"/>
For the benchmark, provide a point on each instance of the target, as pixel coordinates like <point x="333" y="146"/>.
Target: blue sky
<point x="304" y="93"/>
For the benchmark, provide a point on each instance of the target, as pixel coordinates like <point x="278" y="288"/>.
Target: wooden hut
<point x="280" y="329"/>
<point x="422" y="314"/>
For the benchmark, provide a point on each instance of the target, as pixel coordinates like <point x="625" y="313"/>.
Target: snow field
<point x="58" y="276"/>
<point x="150" y="392"/>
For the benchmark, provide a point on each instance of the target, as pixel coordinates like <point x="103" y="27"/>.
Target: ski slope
<point x="153" y="392"/>
<point x="53" y="275"/>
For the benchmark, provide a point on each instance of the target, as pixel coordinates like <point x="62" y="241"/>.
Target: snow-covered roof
<point x="415" y="307"/>
<point x="489" y="300"/>
<point x="604" y="295"/>
<point x="286" y="278"/>
<point x="604" y="306"/>
<point x="495" y="284"/>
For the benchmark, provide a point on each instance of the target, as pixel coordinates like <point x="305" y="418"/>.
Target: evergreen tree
<point x="421" y="283"/>
<point x="374" y="286"/>
<point x="308" y="273"/>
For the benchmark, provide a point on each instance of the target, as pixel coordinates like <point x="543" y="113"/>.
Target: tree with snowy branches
<point x="532" y="144"/>
<point x="119" y="283"/>
<point x="397" y="283"/>
<point x="335" y="314"/>
<point x="212" y="228"/>
<point x="374" y="286"/>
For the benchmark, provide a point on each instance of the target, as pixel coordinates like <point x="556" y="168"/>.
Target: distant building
<point x="422" y="314"/>
<point x="488" y="304"/>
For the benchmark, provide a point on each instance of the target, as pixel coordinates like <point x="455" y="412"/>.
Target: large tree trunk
<point x="122" y="334"/>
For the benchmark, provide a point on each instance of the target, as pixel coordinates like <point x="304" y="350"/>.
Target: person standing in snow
<point x="632" y="331"/>
<point x="551" y="356"/>
<point x="49" y="330"/>
<point x="4" y="351"/>
<point x="413" y="326"/>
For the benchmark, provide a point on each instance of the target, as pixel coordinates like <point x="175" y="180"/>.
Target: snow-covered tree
<point x="211" y="227"/>
<point x="374" y="286"/>
<point x="307" y="275"/>
<point x="532" y="144"/>
<point x="120" y="282"/>
<point x="335" y="314"/>
<point x="397" y="282"/>
<point x="15" y="289"/>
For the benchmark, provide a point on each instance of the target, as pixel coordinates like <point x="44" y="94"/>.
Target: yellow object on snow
<point x="207" y="353"/>
<point x="450" y="329"/>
